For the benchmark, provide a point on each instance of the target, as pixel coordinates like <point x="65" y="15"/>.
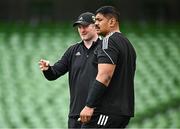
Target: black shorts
<point x="107" y="121"/>
<point x="73" y="122"/>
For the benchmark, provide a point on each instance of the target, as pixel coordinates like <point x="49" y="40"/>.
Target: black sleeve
<point x="108" y="53"/>
<point x="59" y="68"/>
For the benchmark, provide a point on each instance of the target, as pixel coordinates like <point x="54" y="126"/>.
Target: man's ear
<point x="112" y="21"/>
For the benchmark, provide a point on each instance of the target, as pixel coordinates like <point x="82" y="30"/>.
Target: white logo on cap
<point x="81" y="18"/>
<point x="94" y="19"/>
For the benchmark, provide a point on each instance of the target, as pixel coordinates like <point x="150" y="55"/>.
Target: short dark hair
<point x="109" y="11"/>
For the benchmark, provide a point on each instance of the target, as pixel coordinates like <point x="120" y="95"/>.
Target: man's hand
<point x="86" y="114"/>
<point x="44" y="65"/>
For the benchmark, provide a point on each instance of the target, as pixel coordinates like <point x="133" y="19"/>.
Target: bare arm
<point x="105" y="73"/>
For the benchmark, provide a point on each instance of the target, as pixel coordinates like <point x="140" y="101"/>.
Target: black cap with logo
<point x="85" y="19"/>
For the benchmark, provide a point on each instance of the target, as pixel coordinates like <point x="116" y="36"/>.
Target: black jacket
<point x="81" y="64"/>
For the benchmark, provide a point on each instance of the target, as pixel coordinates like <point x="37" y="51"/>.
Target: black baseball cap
<point x="85" y="19"/>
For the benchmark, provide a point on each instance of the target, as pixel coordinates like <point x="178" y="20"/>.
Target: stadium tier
<point x="28" y="100"/>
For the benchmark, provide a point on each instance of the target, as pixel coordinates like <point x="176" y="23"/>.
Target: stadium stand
<point x="27" y="100"/>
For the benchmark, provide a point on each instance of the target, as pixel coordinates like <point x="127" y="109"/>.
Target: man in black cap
<point x="78" y="60"/>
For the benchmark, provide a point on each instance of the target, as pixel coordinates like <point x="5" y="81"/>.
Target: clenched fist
<point x="86" y="114"/>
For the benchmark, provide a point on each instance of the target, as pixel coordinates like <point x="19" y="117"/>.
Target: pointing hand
<point x="44" y="64"/>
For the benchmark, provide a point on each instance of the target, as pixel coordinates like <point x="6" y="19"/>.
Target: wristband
<point x="95" y="94"/>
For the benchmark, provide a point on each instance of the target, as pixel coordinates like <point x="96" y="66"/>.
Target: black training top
<point x="80" y="63"/>
<point x="119" y="97"/>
